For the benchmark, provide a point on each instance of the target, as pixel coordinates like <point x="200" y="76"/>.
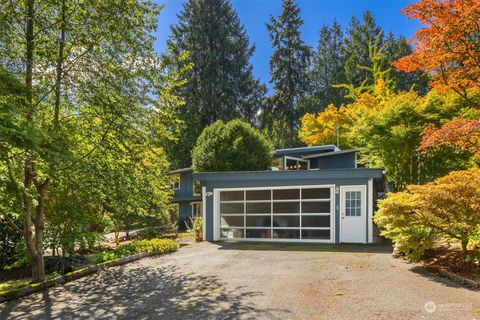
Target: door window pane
<point x="316" y="193"/>
<point x="286" y="194"/>
<point x="286" y="234"/>
<point x="231" y="196"/>
<point x="286" y="207"/>
<point x="316" y="234"/>
<point x="286" y="221"/>
<point x="353" y="203"/>
<point x="316" y="221"/>
<point x="231" y="221"/>
<point x="231" y="208"/>
<point x="316" y="207"/>
<point x="258" y="233"/>
<point x="259" y="195"/>
<point x="258" y="221"/>
<point x="258" y="207"/>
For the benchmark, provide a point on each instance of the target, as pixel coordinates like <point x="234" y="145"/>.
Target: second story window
<point x="197" y="187"/>
<point x="295" y="164"/>
<point x="176" y="182"/>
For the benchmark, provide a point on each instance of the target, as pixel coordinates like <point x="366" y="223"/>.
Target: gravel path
<point x="256" y="281"/>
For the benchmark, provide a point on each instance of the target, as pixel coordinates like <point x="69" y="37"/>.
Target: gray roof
<point x="332" y="153"/>
<point x="293" y="174"/>
<point x="305" y="150"/>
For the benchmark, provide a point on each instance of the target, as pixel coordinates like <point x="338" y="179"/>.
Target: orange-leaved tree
<point x="461" y="134"/>
<point x="448" y="46"/>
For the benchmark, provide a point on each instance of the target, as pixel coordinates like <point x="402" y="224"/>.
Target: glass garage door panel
<point x="258" y="233"/>
<point x="290" y="214"/>
<point x="316" y="207"/>
<point x="316" y="234"/>
<point x="316" y="221"/>
<point x="231" y="196"/>
<point x="231" y="233"/>
<point x="286" y="234"/>
<point x="259" y="207"/>
<point x="316" y="193"/>
<point x="232" y="208"/>
<point x="259" y="221"/>
<point x="286" y="221"/>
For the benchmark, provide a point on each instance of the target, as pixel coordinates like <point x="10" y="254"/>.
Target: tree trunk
<point x="117" y="237"/>
<point x="59" y="66"/>
<point x="464" y="243"/>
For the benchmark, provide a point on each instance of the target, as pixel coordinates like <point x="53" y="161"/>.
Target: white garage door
<point x="276" y="214"/>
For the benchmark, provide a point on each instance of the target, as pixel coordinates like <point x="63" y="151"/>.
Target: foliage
<point x="412" y="241"/>
<point x="460" y="133"/>
<point x="448" y="46"/>
<point x="289" y="64"/>
<point x="73" y="89"/>
<point x="449" y="206"/>
<point x="232" y="146"/>
<point x="219" y="83"/>
<point x="157" y="246"/>
<point x="148" y="233"/>
<point x="325" y="127"/>
<point x="9" y="242"/>
<point x="197" y="228"/>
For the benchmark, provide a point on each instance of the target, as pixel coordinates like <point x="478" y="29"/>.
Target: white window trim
<point x="179" y="182"/>
<point x="193" y="188"/>
<point x="192" y="204"/>
<point x="332" y="228"/>
<point x="342" y="204"/>
<point x="297" y="159"/>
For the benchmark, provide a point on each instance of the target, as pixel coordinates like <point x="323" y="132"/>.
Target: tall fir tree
<point x="220" y="84"/>
<point x="360" y="36"/>
<point x="327" y="70"/>
<point x="289" y="66"/>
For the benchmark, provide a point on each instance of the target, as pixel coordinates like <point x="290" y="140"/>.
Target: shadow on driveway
<point x="285" y="246"/>
<point x="140" y="293"/>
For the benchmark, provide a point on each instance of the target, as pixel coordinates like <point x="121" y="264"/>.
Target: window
<point x="277" y="213"/>
<point x="197" y="188"/>
<point x="296" y="164"/>
<point x="196" y="209"/>
<point x="353" y="203"/>
<point x="176" y="182"/>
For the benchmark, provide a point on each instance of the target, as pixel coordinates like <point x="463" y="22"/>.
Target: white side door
<point x="353" y="214"/>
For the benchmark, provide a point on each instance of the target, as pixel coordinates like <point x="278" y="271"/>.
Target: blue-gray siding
<point x="284" y="178"/>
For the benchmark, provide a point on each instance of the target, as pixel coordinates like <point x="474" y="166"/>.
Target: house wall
<point x="339" y="161"/>
<point x="186" y="185"/>
<point x="289" y="178"/>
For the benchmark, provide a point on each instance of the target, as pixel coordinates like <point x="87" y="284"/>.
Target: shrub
<point x="232" y="146"/>
<point x="148" y="233"/>
<point x="158" y="246"/>
<point x="448" y="206"/>
<point x="412" y="241"/>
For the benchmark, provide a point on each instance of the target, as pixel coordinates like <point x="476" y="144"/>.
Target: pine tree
<point x="289" y="65"/>
<point x="220" y="84"/>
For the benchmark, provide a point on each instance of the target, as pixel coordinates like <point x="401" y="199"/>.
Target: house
<point x="311" y="194"/>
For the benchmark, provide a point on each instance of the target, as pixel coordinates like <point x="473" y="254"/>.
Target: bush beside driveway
<point x="256" y="281"/>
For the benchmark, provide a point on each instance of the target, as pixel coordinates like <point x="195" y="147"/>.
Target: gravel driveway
<point x="256" y="281"/>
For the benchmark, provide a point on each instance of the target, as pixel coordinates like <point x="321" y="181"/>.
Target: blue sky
<point x="315" y="13"/>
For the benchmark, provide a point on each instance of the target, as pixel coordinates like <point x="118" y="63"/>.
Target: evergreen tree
<point x="220" y="84"/>
<point x="289" y="65"/>
<point x="328" y="69"/>
<point x="357" y="45"/>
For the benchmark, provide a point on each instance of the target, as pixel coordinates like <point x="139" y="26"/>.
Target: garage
<point x="283" y="213"/>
